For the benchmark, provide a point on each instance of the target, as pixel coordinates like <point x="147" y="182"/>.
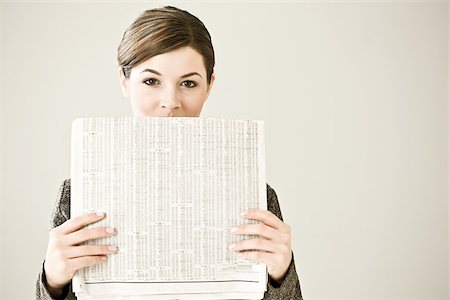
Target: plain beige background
<point x="355" y="99"/>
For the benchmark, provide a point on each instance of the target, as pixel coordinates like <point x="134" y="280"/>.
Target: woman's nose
<point x="170" y="100"/>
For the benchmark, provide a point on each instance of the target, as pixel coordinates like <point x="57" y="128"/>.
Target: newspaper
<point x="172" y="188"/>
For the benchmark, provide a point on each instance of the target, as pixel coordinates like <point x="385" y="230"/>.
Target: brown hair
<point x="160" y="30"/>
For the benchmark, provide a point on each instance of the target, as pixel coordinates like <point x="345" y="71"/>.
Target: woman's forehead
<point x="178" y="62"/>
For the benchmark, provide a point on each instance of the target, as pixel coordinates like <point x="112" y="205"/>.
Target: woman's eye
<point x="189" y="83"/>
<point x="151" y="81"/>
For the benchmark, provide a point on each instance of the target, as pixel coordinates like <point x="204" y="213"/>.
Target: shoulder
<point x="272" y="202"/>
<point x="65" y="192"/>
<point x="270" y="192"/>
<point x="61" y="211"/>
<point x="65" y="186"/>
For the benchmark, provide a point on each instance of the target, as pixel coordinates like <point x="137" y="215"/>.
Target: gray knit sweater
<point x="289" y="288"/>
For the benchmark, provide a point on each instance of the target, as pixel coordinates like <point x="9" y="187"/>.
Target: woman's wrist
<point x="55" y="291"/>
<point x="279" y="280"/>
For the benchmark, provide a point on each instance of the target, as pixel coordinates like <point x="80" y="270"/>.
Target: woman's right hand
<point x="65" y="255"/>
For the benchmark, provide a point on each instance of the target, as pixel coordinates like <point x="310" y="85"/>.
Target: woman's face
<point x="172" y="84"/>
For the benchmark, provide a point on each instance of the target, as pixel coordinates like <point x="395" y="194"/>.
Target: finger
<point x="265" y="216"/>
<point x="260" y="229"/>
<point x="254" y="244"/>
<point x="90" y="250"/>
<point x="87" y="234"/>
<point x="86" y="261"/>
<point x="79" y="222"/>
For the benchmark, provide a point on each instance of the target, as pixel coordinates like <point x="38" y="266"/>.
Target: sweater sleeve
<point x="61" y="213"/>
<point x="290" y="286"/>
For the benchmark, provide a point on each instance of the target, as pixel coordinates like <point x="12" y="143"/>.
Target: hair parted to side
<point x="160" y="30"/>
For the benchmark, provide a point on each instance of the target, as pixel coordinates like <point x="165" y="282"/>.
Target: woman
<point x="166" y="68"/>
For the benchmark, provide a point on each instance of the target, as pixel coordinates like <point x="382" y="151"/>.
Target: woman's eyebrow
<point x="183" y="76"/>
<point x="151" y="71"/>
<point x="190" y="74"/>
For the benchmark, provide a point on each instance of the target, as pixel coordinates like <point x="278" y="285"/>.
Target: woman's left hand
<point x="273" y="242"/>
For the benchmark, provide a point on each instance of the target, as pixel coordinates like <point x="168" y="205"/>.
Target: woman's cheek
<point x="146" y="107"/>
<point x="195" y="105"/>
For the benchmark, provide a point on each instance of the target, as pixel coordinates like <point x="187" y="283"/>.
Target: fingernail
<point x="100" y="214"/>
<point x="232" y="246"/>
<point x="112" y="248"/>
<point x="233" y="229"/>
<point x="244" y="212"/>
<point x="110" y="230"/>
